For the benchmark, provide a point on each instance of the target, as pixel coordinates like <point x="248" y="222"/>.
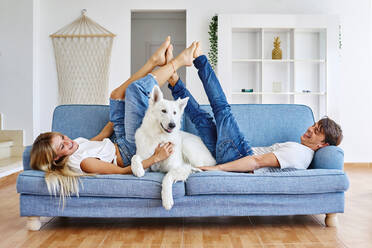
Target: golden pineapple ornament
<point x="277" y="51"/>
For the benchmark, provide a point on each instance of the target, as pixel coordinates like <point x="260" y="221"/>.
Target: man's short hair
<point x="331" y="130"/>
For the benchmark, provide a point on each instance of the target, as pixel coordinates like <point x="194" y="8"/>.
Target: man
<point x="289" y="154"/>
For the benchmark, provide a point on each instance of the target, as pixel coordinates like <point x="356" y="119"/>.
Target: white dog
<point x="161" y="124"/>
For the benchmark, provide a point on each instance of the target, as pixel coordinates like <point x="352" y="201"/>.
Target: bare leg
<point x="157" y="59"/>
<point x="185" y="58"/>
<point x="169" y="57"/>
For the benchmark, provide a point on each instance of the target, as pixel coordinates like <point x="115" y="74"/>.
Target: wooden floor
<point x="355" y="226"/>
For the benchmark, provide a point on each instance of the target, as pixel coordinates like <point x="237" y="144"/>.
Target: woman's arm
<point x="106" y="132"/>
<point x="248" y="163"/>
<point x="94" y="165"/>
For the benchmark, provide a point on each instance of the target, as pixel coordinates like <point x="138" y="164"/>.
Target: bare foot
<point x="186" y="57"/>
<point x="158" y="58"/>
<point x="210" y="168"/>
<point x="198" y="51"/>
<point x="169" y="56"/>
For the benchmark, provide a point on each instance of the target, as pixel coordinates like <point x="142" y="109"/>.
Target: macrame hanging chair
<point x="82" y="52"/>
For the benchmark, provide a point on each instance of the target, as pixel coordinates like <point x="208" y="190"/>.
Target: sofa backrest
<point x="80" y="120"/>
<point x="262" y="125"/>
<point x="266" y="124"/>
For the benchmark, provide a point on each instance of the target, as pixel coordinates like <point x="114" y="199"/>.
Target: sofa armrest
<point x="329" y="157"/>
<point x="26" y="158"/>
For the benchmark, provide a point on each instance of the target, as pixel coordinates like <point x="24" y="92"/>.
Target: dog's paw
<point x="167" y="199"/>
<point x="137" y="167"/>
<point x="168" y="203"/>
<point x="139" y="173"/>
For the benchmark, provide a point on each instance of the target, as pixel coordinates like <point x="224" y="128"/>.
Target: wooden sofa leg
<point x="33" y="223"/>
<point x="331" y="220"/>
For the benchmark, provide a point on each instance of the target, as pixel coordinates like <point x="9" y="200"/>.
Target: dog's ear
<point x="182" y="103"/>
<point x="156" y="94"/>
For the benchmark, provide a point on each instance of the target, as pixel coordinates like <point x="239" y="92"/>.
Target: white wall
<point x="349" y="102"/>
<point x="148" y="30"/>
<point x="16" y="65"/>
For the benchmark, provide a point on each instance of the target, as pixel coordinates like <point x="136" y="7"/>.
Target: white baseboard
<point x="10" y="165"/>
<point x="11" y="171"/>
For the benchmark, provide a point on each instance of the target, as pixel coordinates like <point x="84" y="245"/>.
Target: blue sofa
<point x="317" y="190"/>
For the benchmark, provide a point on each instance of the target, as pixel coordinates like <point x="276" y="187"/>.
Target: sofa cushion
<point x="329" y="157"/>
<point x="149" y="186"/>
<point x="278" y="181"/>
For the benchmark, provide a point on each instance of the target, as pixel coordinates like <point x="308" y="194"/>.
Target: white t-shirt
<point x="103" y="150"/>
<point x="289" y="154"/>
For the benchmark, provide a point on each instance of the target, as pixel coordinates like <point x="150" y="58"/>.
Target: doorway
<point x="148" y="31"/>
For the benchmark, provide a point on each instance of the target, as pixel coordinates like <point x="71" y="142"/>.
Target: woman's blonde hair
<point x="58" y="176"/>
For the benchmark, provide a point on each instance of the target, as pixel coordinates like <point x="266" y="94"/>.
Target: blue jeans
<point x="127" y="115"/>
<point x="222" y="137"/>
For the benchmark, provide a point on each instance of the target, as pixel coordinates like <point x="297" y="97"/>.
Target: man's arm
<point x="106" y="132"/>
<point x="248" y="163"/>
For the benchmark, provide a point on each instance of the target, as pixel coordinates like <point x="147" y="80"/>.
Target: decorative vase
<point x="277" y="51"/>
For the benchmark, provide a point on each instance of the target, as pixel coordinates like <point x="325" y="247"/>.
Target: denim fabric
<point x="203" y="121"/>
<point x="282" y="182"/>
<point x="117" y="114"/>
<point x="136" y="104"/>
<point x="266" y="124"/>
<point x="127" y="115"/>
<point x="32" y="182"/>
<point x="195" y="206"/>
<point x="230" y="143"/>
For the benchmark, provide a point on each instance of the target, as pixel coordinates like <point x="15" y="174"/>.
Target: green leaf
<point x="213" y="40"/>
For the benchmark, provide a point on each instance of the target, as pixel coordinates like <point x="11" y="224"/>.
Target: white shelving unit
<point x="244" y="61"/>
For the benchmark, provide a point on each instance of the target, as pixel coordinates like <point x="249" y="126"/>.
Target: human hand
<point x="163" y="151"/>
<point x="210" y="168"/>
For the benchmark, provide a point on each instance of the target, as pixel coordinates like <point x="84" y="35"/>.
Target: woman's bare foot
<point x="198" y="51"/>
<point x="186" y="57"/>
<point x="158" y="58"/>
<point x="169" y="56"/>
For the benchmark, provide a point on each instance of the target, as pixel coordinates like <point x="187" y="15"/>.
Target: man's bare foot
<point x="169" y="56"/>
<point x="158" y="58"/>
<point x="198" y="51"/>
<point x="185" y="58"/>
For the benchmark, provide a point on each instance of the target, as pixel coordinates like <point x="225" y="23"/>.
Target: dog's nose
<point x="171" y="125"/>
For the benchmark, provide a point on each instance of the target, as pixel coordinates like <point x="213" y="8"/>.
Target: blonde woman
<point x="64" y="160"/>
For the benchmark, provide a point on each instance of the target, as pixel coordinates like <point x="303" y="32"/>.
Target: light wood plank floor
<point x="355" y="226"/>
